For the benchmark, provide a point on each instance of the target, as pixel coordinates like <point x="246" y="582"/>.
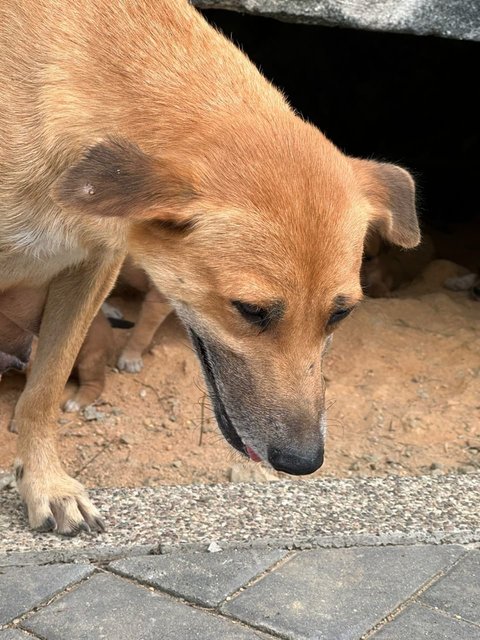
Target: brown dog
<point x="385" y="268"/>
<point x="136" y="126"/>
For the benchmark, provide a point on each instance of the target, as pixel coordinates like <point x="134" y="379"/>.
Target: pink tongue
<point x="253" y="456"/>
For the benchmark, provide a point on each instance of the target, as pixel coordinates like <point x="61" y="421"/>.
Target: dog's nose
<point x="294" y="463"/>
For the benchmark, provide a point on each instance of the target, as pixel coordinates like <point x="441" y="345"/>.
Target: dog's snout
<point x="295" y="463"/>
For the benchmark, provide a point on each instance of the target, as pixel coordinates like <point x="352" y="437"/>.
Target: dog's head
<point x="261" y="259"/>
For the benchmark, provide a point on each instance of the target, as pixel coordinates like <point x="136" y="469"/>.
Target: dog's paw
<point x="130" y="363"/>
<point x="56" y="502"/>
<point x="460" y="283"/>
<point x="111" y="312"/>
<point x="12" y="426"/>
<point x="71" y="406"/>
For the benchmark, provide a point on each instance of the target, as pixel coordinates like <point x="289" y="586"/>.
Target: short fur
<point x="136" y="126"/>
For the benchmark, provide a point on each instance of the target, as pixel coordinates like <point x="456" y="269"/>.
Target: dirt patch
<point x="403" y="384"/>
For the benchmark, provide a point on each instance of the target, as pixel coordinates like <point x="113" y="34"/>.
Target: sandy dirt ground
<point x="403" y="388"/>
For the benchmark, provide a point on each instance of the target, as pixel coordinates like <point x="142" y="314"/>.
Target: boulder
<point x="459" y="19"/>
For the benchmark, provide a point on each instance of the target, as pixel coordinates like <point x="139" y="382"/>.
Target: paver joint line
<point x="439" y="575"/>
<point x="447" y="614"/>
<point x="216" y="610"/>
<point x="289" y="556"/>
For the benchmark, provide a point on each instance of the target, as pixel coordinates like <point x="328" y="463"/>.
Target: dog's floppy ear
<point x="391" y="191"/>
<point x="116" y="178"/>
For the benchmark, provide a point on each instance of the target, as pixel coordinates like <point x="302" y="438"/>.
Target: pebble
<point x="6" y="480"/>
<point x="91" y="413"/>
<point x="214" y="547"/>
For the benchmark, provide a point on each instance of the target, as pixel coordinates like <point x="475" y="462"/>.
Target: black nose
<point x="293" y="463"/>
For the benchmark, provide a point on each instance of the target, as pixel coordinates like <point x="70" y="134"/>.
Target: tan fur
<point x="134" y="125"/>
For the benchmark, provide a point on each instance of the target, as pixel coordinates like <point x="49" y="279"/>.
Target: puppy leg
<point x="153" y="313"/>
<point x="54" y="500"/>
<point x="91" y="364"/>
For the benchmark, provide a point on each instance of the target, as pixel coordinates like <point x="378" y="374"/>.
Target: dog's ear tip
<point x="408" y="239"/>
<point x="391" y="192"/>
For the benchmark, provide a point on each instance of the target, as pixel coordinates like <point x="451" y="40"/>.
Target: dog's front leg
<point x="54" y="500"/>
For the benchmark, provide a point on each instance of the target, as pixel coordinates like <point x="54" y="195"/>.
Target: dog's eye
<point x="253" y="314"/>
<point x="338" y="315"/>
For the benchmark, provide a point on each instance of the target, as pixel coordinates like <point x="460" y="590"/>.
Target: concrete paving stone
<point x="23" y="588"/>
<point x="420" y="623"/>
<point x="458" y="593"/>
<point x="205" y="578"/>
<point x="14" y="634"/>
<point x="107" y="607"/>
<point x="339" y="594"/>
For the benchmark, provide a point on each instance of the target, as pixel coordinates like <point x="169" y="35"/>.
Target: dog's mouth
<point x="224" y="422"/>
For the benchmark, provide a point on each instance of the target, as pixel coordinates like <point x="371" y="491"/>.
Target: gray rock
<point x="458" y="593"/>
<point x="420" y="623"/>
<point x="458" y="19"/>
<point x="205" y="578"/>
<point x="110" y="608"/>
<point x="338" y="593"/>
<point x="7" y="480"/>
<point x="21" y="589"/>
<point x="91" y="413"/>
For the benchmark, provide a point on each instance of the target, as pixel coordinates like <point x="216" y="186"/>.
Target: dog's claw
<point x="48" y="524"/>
<point x="83" y="526"/>
<point x="12" y="426"/>
<point x="99" y="525"/>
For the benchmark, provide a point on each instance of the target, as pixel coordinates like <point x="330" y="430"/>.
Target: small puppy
<point x="25" y="308"/>
<point x="469" y="282"/>
<point x="17" y="336"/>
<point x="386" y="268"/>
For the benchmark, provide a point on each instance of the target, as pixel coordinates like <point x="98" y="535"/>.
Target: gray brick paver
<point x="339" y="594"/>
<point x="14" y="634"/>
<point x="458" y="593"/>
<point x="23" y="588"/>
<point x="204" y="578"/>
<point x="107" y="607"/>
<point x="421" y="623"/>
